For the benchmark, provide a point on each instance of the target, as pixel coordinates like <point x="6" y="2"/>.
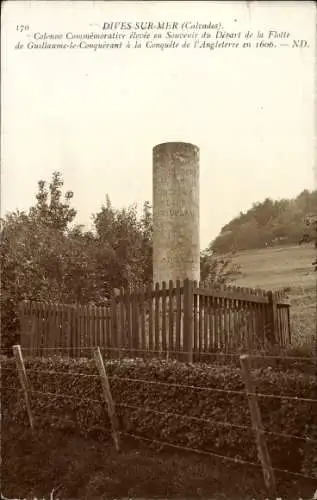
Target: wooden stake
<point x="273" y="333"/>
<point x="188" y="322"/>
<point x="23" y="381"/>
<point x="256" y="419"/>
<point x="108" y="397"/>
<point x="115" y="332"/>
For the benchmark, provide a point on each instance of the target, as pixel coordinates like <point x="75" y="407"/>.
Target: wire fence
<point x="176" y="446"/>
<point x="158" y="412"/>
<point x="189" y="418"/>
<point x="255" y="356"/>
<point x="179" y="386"/>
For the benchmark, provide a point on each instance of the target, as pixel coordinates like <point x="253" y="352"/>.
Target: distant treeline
<point x="269" y="223"/>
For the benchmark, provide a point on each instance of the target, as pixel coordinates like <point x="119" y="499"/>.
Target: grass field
<point x="285" y="267"/>
<point x="85" y="468"/>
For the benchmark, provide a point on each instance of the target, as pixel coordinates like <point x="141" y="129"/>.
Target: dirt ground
<point x="79" y="468"/>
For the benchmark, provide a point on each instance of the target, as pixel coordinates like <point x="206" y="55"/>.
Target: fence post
<point x="69" y="329"/>
<point x="115" y="332"/>
<point x="289" y="325"/>
<point x="135" y="322"/>
<point x="108" y="397"/>
<point x="188" y="332"/>
<point x="256" y="419"/>
<point x="23" y="381"/>
<point x="273" y="329"/>
<point x="24" y="337"/>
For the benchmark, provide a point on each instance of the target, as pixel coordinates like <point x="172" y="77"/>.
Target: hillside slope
<point x="268" y="223"/>
<point x="277" y="267"/>
<point x="285" y="267"/>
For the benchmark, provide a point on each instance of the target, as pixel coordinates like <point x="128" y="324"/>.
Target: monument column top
<point x="176" y="148"/>
<point x="176" y="144"/>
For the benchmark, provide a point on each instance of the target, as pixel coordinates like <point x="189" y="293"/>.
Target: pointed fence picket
<point x="167" y="320"/>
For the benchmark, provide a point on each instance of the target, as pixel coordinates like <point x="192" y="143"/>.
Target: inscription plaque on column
<point x="176" y="243"/>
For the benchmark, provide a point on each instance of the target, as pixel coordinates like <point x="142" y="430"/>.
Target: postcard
<point x="158" y="257"/>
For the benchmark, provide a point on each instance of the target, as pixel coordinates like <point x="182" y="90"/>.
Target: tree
<point x="35" y="254"/>
<point x="310" y="235"/>
<point x="51" y="210"/>
<point x="45" y="257"/>
<point x="267" y="223"/>
<point x="128" y="239"/>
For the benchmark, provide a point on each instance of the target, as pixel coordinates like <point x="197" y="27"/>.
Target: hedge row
<point x="150" y="408"/>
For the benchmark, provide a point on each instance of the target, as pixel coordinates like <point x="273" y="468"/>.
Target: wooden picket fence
<point x="181" y="320"/>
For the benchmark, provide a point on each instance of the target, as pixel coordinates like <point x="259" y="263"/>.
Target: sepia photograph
<point x="158" y="250"/>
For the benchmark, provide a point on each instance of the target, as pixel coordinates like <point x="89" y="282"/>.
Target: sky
<point x="96" y="115"/>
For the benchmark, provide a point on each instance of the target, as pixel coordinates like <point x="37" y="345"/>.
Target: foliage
<point x="268" y="223"/>
<point x="45" y="257"/>
<point x="160" y="411"/>
<point x="310" y="235"/>
<point x="51" y="210"/>
<point x="215" y="270"/>
<point x="129" y="239"/>
<point x="41" y="258"/>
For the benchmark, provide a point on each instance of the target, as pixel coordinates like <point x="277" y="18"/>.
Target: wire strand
<point x="11" y="388"/>
<point x="213" y="389"/>
<point x="172" y="414"/>
<point x="162" y="443"/>
<point x="75" y="423"/>
<point x="217" y="422"/>
<point x="69" y="396"/>
<point x="160" y="351"/>
<point x="216" y="455"/>
<point x="54" y="372"/>
<point x="186" y="417"/>
<point x="175" y="385"/>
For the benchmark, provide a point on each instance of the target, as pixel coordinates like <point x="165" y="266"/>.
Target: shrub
<point x="151" y="410"/>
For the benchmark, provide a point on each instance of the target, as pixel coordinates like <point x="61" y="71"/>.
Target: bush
<point x="152" y="410"/>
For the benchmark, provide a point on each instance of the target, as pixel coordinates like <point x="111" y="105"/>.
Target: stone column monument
<point x="176" y="245"/>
